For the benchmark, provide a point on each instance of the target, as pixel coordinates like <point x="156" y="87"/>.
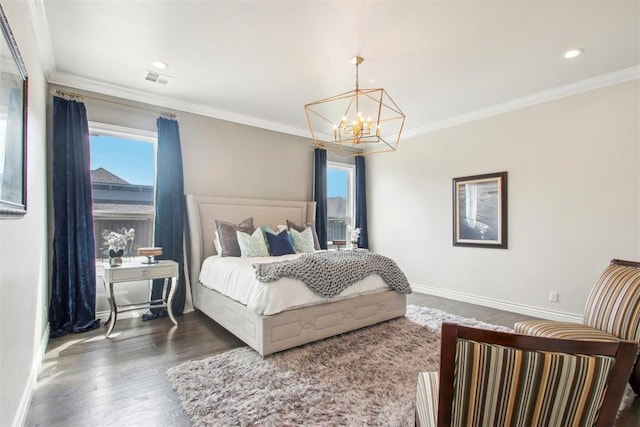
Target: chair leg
<point x="635" y="377"/>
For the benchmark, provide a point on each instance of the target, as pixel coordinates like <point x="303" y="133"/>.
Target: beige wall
<point x="24" y="268"/>
<point x="573" y="201"/>
<point x="231" y="160"/>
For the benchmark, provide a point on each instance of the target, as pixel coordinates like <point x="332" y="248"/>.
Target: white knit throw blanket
<point x="329" y="273"/>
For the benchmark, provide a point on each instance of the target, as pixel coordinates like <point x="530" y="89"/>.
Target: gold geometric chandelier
<point x="359" y="122"/>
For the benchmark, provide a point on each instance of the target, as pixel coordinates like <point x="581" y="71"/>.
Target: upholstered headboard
<point x="202" y="212"/>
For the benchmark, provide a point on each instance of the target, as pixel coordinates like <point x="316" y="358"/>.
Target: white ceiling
<point x="259" y="62"/>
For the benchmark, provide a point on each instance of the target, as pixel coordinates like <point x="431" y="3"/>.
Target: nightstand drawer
<point x="125" y="274"/>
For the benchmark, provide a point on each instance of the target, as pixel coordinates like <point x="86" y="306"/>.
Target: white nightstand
<point x="132" y="272"/>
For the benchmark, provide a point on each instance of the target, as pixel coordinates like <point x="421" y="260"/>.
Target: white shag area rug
<point x="365" y="377"/>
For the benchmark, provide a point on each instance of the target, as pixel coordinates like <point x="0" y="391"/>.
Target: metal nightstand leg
<point x="170" y="299"/>
<point x="114" y="311"/>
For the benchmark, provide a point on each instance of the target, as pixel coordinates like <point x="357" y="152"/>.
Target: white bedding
<point x="236" y="278"/>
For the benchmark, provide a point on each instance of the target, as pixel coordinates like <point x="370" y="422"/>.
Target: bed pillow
<point x="266" y="229"/>
<point x="302" y="242"/>
<point x="216" y="244"/>
<point x="228" y="237"/>
<point x="253" y="245"/>
<point x="301" y="227"/>
<point x="279" y="244"/>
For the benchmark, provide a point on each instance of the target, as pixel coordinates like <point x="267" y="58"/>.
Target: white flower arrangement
<point x="118" y="241"/>
<point x="354" y="234"/>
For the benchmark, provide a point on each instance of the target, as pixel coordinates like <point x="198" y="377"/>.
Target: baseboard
<point x="25" y="401"/>
<point x="528" y="310"/>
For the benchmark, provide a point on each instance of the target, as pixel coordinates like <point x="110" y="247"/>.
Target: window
<point x="122" y="180"/>
<point x="340" y="200"/>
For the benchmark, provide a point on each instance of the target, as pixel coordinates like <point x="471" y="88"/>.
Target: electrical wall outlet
<point x="553" y="296"/>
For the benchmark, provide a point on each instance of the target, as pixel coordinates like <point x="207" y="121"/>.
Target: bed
<point x="271" y="333"/>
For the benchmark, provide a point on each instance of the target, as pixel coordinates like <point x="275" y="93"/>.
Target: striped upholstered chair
<point x="612" y="313"/>
<point x="490" y="378"/>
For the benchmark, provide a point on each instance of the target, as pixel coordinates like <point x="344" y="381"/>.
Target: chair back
<point x="613" y="305"/>
<point x="491" y="378"/>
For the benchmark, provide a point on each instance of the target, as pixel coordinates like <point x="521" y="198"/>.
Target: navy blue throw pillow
<point x="279" y="244"/>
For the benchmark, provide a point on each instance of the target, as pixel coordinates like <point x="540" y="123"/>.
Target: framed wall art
<point x="480" y="211"/>
<point x="13" y="126"/>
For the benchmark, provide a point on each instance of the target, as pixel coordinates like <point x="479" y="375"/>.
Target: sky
<point x="133" y="161"/>
<point x="336" y="183"/>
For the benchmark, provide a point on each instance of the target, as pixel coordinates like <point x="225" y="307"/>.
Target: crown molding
<point x="108" y="89"/>
<point x="570" y="89"/>
<point x="40" y="25"/>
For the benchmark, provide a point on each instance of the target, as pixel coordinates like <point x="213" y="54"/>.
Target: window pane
<point x="339" y="203"/>
<point x="337" y="181"/>
<point x="122" y="175"/>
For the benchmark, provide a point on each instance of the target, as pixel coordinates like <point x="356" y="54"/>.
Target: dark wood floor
<point x="87" y="380"/>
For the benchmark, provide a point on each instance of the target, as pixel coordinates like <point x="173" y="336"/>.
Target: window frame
<point x="99" y="128"/>
<point x="141" y="135"/>
<point x="351" y="208"/>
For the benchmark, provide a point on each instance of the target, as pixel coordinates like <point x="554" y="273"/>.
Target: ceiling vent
<point x="156" y="77"/>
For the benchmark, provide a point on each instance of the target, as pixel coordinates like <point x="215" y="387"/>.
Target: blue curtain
<point x="361" y="203"/>
<point x="320" y="194"/>
<point x="72" y="307"/>
<point x="170" y="211"/>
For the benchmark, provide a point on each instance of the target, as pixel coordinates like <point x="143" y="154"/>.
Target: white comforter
<point x="236" y="278"/>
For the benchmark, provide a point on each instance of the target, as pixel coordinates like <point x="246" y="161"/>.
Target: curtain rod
<point x="72" y="96"/>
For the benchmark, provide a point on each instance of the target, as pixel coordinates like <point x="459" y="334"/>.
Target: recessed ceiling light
<point x="572" y="53"/>
<point x="160" y="65"/>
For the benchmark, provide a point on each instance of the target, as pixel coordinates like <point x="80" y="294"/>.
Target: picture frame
<point x="13" y="126"/>
<point x="480" y="211"/>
